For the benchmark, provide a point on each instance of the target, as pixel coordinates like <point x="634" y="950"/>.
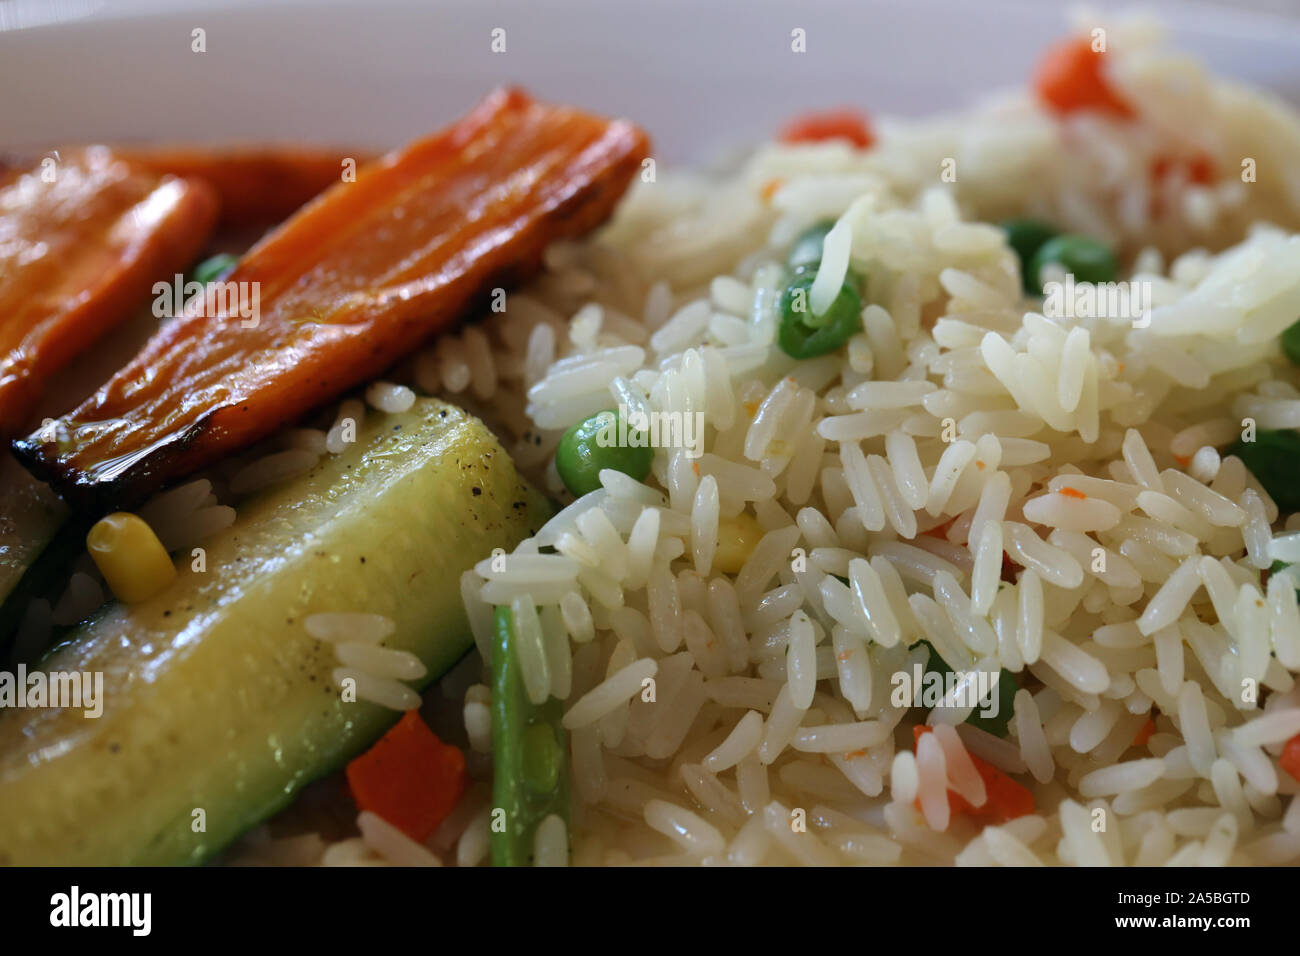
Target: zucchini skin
<point x="30" y="518"/>
<point x="215" y="697"/>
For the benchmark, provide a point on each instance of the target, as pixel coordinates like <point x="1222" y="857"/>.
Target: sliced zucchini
<point x="217" y="704"/>
<point x="37" y="544"/>
<point x="30" y="516"/>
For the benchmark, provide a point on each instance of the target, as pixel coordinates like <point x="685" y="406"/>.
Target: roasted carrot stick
<point x="258" y="185"/>
<point x="78" y="254"/>
<point x="352" y="282"/>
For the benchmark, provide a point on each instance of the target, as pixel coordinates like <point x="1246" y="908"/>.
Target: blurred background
<point x="699" y="74"/>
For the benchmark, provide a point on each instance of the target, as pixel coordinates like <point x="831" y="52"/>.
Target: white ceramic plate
<point x="698" y="74"/>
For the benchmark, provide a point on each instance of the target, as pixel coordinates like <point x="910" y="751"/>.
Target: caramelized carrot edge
<point x="257" y="185"/>
<point x="346" y="290"/>
<point x="144" y="240"/>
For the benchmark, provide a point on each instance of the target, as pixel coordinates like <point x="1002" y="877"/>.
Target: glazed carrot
<point x="258" y="185"/>
<point x="410" y="778"/>
<point x="1007" y="799"/>
<point x="1070" y="79"/>
<point x="351" y="283"/>
<point x="843" y="124"/>
<point x="80" y="254"/>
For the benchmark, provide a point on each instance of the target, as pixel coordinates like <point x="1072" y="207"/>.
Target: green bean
<point x="530" y="756"/>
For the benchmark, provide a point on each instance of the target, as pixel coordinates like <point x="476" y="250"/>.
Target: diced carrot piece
<point x="846" y="124"/>
<point x="258" y="186"/>
<point x="1007" y="799"/>
<point x="350" y="284"/>
<point x="409" y="778"/>
<point x="79" y="255"/>
<point x="1144" y="733"/>
<point x="1074" y="493"/>
<point x="1070" y="79"/>
<point x="1198" y="169"/>
<point x="1010" y="569"/>
<point x="770" y="189"/>
<point x="1291" y="757"/>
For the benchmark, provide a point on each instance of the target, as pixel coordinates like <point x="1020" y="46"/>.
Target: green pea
<point x="1272" y="459"/>
<point x="1026" y="237"/>
<point x="217" y="267"/>
<point x="807" y="248"/>
<point x="1291" y="343"/>
<point x="802" y="334"/>
<point x="1086" y="259"/>
<point x="594" y="444"/>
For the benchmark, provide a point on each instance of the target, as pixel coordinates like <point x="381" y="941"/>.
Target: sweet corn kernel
<point x="130" y="556"/>
<point x="736" y="539"/>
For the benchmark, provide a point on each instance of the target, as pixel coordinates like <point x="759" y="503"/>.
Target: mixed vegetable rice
<point x="933" y="558"/>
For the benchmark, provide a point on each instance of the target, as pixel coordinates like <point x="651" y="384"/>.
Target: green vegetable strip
<point x="1272" y="458"/>
<point x="1006" y="691"/>
<point x="217" y="267"/>
<point x="530" y="755"/>
<point x="1291" y="343"/>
